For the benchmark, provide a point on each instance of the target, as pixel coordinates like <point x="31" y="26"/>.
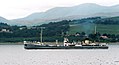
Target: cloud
<point x="12" y="9"/>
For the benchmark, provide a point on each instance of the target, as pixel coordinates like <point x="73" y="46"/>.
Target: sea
<point x="17" y="55"/>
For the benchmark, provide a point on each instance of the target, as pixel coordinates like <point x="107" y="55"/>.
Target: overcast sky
<point x="12" y="9"/>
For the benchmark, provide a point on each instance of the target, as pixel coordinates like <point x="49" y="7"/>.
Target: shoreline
<point x="11" y="43"/>
<point x="21" y="43"/>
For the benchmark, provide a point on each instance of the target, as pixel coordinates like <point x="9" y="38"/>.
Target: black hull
<point x="32" y="46"/>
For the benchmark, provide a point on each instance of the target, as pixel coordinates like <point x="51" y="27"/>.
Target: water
<point x="17" y="55"/>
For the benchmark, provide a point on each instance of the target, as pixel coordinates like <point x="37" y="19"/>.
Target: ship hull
<point x="32" y="46"/>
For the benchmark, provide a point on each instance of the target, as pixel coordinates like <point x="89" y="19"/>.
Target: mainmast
<point x="41" y="39"/>
<point x="95" y="29"/>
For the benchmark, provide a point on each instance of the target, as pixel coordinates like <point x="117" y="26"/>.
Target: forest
<point x="57" y="30"/>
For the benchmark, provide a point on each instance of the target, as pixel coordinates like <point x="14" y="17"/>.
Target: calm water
<point x="17" y="55"/>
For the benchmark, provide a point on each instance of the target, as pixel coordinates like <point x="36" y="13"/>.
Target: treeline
<point x="51" y="30"/>
<point x="94" y="37"/>
<point x="98" y="20"/>
<point x="108" y="21"/>
<point x="56" y="30"/>
<point x="84" y="20"/>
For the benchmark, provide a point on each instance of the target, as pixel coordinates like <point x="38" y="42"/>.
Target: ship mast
<point x="95" y="30"/>
<point x="41" y="36"/>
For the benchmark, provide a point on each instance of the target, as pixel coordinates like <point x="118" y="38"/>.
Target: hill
<point x="3" y="20"/>
<point x="57" y="30"/>
<point x="68" y="13"/>
<point x="109" y="29"/>
<point x="104" y="25"/>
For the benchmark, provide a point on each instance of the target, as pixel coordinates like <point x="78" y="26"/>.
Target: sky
<point x="12" y="9"/>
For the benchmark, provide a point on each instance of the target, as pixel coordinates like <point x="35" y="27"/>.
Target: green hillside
<point x="104" y="25"/>
<point x="56" y="30"/>
<point x="111" y="29"/>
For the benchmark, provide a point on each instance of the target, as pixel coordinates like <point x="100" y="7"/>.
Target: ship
<point x="86" y="44"/>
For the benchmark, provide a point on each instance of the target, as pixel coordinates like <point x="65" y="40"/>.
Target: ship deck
<point x="32" y="46"/>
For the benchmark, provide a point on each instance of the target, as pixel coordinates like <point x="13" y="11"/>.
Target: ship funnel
<point x="66" y="41"/>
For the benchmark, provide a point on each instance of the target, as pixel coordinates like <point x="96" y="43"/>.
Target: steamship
<point x="86" y="44"/>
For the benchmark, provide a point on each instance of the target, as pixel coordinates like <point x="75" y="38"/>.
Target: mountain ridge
<point x="74" y="12"/>
<point x="3" y="20"/>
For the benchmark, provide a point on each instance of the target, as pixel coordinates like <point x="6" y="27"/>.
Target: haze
<point x="12" y="9"/>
